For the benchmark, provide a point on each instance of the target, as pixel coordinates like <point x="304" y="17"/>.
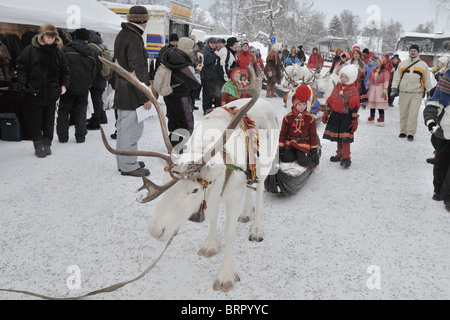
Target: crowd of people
<point x="49" y="71"/>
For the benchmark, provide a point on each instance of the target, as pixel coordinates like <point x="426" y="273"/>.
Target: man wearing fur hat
<point x="82" y="64"/>
<point x="43" y="73"/>
<point x="411" y="82"/>
<point x="298" y="136"/>
<point x="130" y="53"/>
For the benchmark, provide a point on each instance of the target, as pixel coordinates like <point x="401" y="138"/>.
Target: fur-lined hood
<point x="38" y="41"/>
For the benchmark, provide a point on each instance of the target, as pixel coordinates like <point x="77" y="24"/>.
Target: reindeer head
<point x="184" y="172"/>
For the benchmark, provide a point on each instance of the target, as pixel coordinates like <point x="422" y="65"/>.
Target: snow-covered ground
<point x="74" y="209"/>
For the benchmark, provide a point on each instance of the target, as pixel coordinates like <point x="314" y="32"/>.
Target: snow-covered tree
<point x="335" y="27"/>
<point x="350" y="25"/>
<point x="427" y="28"/>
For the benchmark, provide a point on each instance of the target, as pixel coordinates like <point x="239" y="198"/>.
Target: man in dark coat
<point x="82" y="71"/>
<point x="301" y="55"/>
<point x="130" y="53"/>
<point x="43" y="72"/>
<point x="173" y="42"/>
<point x="212" y="79"/>
<point x="184" y="81"/>
<point x="95" y="41"/>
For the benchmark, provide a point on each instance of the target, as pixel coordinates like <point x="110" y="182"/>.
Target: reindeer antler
<point x="154" y="191"/>
<point x="131" y="77"/>
<point x="254" y="89"/>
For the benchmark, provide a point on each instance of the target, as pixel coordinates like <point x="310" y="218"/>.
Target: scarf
<point x="344" y="98"/>
<point x="442" y="93"/>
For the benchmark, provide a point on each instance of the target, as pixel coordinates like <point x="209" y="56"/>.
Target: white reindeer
<point x="213" y="169"/>
<point x="326" y="85"/>
<point x="295" y="76"/>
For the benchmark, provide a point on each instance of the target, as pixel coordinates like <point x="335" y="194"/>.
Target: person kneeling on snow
<point x="298" y="136"/>
<point x="341" y="115"/>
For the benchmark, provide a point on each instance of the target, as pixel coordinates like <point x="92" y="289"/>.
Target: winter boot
<point x="370" y="120"/>
<point x="47" y="150"/>
<point x="346" y="163"/>
<point x="39" y="150"/>
<point x="336" y="158"/>
<point x="268" y="88"/>
<point x="380" y="122"/>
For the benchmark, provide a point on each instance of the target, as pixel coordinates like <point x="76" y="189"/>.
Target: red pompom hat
<point x="302" y="94"/>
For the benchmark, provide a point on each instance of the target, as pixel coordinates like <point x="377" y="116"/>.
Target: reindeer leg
<point x="212" y="243"/>
<point x="256" y="231"/>
<point x="227" y="277"/>
<point x="248" y="210"/>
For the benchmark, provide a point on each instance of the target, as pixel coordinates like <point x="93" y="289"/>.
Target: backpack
<point x="162" y="80"/>
<point x="106" y="71"/>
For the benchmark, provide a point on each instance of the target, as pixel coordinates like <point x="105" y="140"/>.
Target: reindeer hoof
<point x="254" y="238"/>
<point x="244" y="219"/>
<point x="207" y="253"/>
<point x="225" y="286"/>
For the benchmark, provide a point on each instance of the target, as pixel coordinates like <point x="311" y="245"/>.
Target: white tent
<point x="67" y="14"/>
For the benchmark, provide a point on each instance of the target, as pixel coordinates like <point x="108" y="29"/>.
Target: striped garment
<point x="344" y="98"/>
<point x="442" y="93"/>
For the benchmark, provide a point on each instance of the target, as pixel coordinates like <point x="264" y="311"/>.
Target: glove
<point x="325" y="117"/>
<point x="394" y="92"/>
<point x="280" y="154"/>
<point x="431" y="126"/>
<point x="353" y="126"/>
<point x="314" y="157"/>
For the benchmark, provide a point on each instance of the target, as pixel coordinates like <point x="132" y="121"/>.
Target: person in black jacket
<point x="82" y="71"/>
<point x="173" y="42"/>
<point x="212" y="79"/>
<point x="301" y="55"/>
<point x="95" y="41"/>
<point x="43" y="73"/>
<point x="184" y="81"/>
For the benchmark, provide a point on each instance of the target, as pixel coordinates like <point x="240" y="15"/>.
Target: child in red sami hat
<point x="231" y="88"/>
<point x="298" y="137"/>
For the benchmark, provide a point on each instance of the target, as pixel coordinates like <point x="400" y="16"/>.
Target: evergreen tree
<point x="335" y="27"/>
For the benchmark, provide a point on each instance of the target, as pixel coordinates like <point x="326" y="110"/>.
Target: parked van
<point x="328" y="45"/>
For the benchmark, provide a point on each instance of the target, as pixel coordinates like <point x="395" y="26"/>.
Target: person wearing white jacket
<point x="228" y="57"/>
<point x="411" y="81"/>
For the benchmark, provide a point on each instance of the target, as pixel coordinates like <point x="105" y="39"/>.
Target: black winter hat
<point x="173" y="37"/>
<point x="414" y="46"/>
<point x="81" y="34"/>
<point x="138" y="14"/>
<point x="231" y="41"/>
<point x="211" y="40"/>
